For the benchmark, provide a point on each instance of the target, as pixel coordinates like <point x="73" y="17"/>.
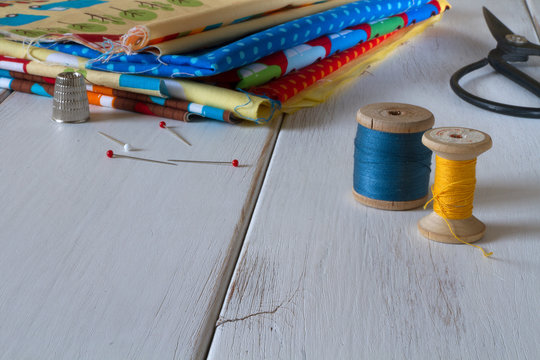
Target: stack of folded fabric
<point x="190" y="59"/>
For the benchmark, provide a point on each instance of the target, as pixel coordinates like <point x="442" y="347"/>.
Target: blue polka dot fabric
<point x="248" y="49"/>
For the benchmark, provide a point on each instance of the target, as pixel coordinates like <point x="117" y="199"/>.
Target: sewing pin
<point x="234" y="163"/>
<point x="127" y="147"/>
<point x="111" y="154"/>
<point x="163" y="125"/>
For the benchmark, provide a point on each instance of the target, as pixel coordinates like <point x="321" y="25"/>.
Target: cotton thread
<point x="29" y="45"/>
<point x="391" y="166"/>
<point x="274" y="106"/>
<point x="453" y="192"/>
<point x="135" y="39"/>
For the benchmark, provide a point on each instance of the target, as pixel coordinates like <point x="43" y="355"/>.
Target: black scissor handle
<point x="506" y="109"/>
<point x="498" y="61"/>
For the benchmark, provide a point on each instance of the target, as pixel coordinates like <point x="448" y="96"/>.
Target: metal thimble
<point x="70" y="102"/>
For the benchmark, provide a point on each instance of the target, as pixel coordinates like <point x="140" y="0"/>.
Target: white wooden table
<point x="116" y="259"/>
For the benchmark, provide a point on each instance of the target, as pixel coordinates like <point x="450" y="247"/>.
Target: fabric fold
<point x="183" y="112"/>
<point x="251" y="48"/>
<point x="283" y="62"/>
<point x="274" y="67"/>
<point x="248" y="107"/>
<point x="130" y="25"/>
<point x="351" y="69"/>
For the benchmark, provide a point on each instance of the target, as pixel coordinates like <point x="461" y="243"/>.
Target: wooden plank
<point x="320" y="276"/>
<point x="534" y="7"/>
<point x="113" y="258"/>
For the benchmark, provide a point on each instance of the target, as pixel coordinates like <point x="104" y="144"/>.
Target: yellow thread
<point x="453" y="192"/>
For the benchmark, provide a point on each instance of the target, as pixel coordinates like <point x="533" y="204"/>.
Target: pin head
<point x="162" y="125"/>
<point x="235" y="163"/>
<point x="128" y="147"/>
<point x="110" y="153"/>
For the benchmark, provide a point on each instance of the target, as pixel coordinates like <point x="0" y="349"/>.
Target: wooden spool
<point x="456" y="144"/>
<point x="398" y="119"/>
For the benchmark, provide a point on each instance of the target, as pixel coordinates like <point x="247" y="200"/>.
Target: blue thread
<point x="390" y="167"/>
<point x="274" y="106"/>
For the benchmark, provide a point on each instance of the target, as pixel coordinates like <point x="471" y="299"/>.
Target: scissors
<point x="510" y="48"/>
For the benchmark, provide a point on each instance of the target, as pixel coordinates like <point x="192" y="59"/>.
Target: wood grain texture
<point x="322" y="277"/>
<point x="395" y="118"/>
<point x="470" y="144"/>
<point x="389" y="205"/>
<point x="114" y="258"/>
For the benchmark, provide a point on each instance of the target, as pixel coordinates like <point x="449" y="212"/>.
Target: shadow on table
<point x="508" y="195"/>
<point x="496" y="231"/>
<point x="511" y="198"/>
<point x="109" y="114"/>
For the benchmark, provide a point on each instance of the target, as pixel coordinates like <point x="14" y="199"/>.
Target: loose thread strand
<point x="274" y="106"/>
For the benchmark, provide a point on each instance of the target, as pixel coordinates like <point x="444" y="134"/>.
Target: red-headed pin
<point x="111" y="155"/>
<point x="234" y="163"/>
<point x="163" y="125"/>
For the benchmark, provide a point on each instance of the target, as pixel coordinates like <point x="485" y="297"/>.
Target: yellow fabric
<point x="243" y="105"/>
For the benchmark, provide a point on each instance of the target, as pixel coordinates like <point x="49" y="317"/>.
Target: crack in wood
<point x="270" y="312"/>
<point x="206" y="333"/>
<point x="219" y="323"/>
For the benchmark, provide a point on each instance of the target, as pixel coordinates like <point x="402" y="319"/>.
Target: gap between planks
<point x="241" y="230"/>
<point x="4" y="94"/>
<point x="206" y="331"/>
<point x="532" y="8"/>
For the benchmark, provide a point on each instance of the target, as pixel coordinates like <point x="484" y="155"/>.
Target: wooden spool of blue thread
<point x="385" y="122"/>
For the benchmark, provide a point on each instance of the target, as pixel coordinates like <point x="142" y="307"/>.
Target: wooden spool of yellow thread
<point x="452" y="220"/>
